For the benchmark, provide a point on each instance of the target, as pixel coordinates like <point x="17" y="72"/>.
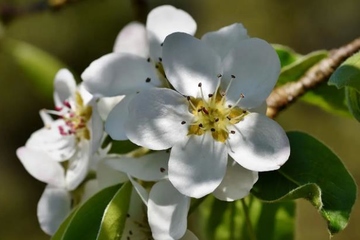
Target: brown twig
<point x="141" y="10"/>
<point x="288" y="93"/>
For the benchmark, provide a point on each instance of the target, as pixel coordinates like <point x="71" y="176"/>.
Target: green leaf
<point x="227" y="220"/>
<point x="298" y="68"/>
<point x="276" y="221"/>
<point x="328" y="98"/>
<point x="286" y="54"/>
<point x="86" y="220"/>
<point x="113" y="222"/>
<point x="348" y="74"/>
<point x="315" y="173"/>
<point x="353" y="101"/>
<point x="39" y="66"/>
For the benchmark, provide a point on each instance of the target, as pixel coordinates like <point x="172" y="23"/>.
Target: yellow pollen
<point x="78" y="119"/>
<point x="213" y="115"/>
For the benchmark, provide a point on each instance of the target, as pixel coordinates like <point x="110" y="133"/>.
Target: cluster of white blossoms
<point x="198" y="104"/>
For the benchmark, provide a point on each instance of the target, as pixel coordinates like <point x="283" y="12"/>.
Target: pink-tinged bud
<point x="58" y="108"/>
<point x="67" y="104"/>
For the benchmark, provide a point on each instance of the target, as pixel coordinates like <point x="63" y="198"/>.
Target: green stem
<point x="247" y="219"/>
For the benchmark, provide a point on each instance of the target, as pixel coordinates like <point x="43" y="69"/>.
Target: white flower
<point x="74" y="138"/>
<point x="135" y="64"/>
<point x="137" y="226"/>
<point x="212" y="112"/>
<point x="167" y="208"/>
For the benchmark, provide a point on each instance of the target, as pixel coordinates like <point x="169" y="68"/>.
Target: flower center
<point x="76" y="117"/>
<point x="214" y="115"/>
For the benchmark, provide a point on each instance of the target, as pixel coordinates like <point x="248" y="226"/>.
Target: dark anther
<point x="188" y="98"/>
<point x="156" y="66"/>
<point x="162" y="44"/>
<point x="160" y="59"/>
<point x="244" y="111"/>
<point x="162" y="169"/>
<point x="148" y="59"/>
<point x="130" y="232"/>
<point x="204" y="110"/>
<point x="229" y="106"/>
<point x="216" y="119"/>
<point x="232" y="132"/>
<point x="183" y="122"/>
<point x="127" y="215"/>
<point x="200" y="125"/>
<point x="128" y="238"/>
<point x="213" y="129"/>
<point x="148" y="79"/>
<point x="228" y="118"/>
<point x="233" y="76"/>
<point x="219" y="75"/>
<point x="200" y="84"/>
<point x="199" y="110"/>
<point x="210" y="95"/>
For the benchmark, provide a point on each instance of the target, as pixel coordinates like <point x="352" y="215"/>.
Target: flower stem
<point x="251" y="231"/>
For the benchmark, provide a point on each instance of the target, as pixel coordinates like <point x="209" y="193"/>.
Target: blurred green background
<point x="85" y="30"/>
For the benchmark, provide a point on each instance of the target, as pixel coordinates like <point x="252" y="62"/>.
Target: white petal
<point x="65" y="86"/>
<point x="188" y="61"/>
<point x="96" y="127"/>
<point x="167" y="211"/>
<point x="132" y="39"/>
<point x="53" y="208"/>
<point x="49" y="140"/>
<point x="197" y="167"/>
<point x="223" y="40"/>
<point x="256" y="67"/>
<point x="141" y="191"/>
<point x="150" y="167"/>
<point x="46" y="117"/>
<point x="259" y="143"/>
<point x="90" y="188"/>
<point x="115" y="123"/>
<point x="137" y="207"/>
<point x="189" y="236"/>
<point x="260" y="109"/>
<point x="164" y="20"/>
<point x="85" y="94"/>
<point x="155" y="119"/>
<point x="119" y="74"/>
<point x="107" y="176"/>
<point x="106" y="104"/>
<point x="237" y="183"/>
<point x="78" y="166"/>
<point x="135" y="228"/>
<point x="41" y="166"/>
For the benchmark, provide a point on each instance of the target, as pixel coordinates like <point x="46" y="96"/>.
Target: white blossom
<point x="73" y="138"/>
<point x="211" y="113"/>
<point x="167" y="208"/>
<point x="135" y="65"/>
